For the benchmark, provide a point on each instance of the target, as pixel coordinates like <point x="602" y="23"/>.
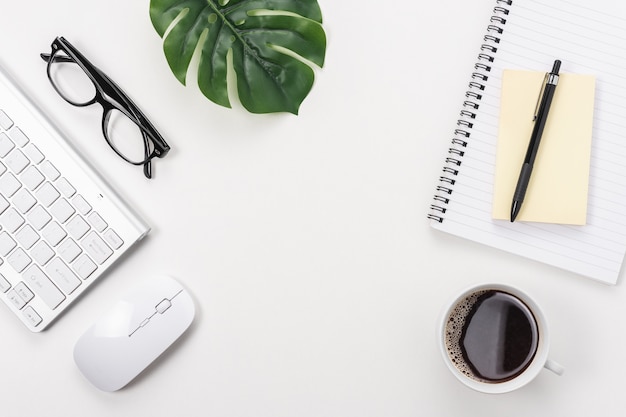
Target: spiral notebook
<point x="589" y="38"/>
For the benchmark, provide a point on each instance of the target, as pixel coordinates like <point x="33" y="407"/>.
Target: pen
<point x="541" y="115"/>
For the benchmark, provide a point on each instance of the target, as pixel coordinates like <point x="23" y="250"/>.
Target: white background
<point x="303" y="239"/>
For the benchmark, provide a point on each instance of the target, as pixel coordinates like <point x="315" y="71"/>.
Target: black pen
<point x="541" y="115"/>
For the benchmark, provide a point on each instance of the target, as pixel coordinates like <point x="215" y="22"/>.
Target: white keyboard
<point x="61" y="225"/>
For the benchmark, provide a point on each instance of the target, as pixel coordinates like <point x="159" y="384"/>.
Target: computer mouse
<point x="134" y="332"/>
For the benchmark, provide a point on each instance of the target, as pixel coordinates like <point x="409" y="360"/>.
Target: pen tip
<point x="514" y="210"/>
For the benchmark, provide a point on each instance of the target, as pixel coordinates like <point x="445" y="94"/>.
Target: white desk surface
<point x="304" y="240"/>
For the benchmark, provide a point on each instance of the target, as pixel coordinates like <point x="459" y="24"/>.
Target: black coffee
<point x="491" y="336"/>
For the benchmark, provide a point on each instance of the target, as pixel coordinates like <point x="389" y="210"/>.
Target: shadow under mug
<point x="537" y="363"/>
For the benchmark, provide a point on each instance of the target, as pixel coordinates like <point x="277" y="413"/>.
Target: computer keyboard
<point x="61" y="225"/>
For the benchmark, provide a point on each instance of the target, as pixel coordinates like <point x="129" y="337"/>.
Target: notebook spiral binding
<point x="473" y="96"/>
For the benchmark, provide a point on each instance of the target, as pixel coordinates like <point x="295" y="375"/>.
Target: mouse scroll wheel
<point x="163" y="306"/>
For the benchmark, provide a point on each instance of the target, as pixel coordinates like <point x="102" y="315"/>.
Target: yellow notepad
<point x="558" y="188"/>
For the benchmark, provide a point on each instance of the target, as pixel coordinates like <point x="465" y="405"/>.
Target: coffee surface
<point x="491" y="336"/>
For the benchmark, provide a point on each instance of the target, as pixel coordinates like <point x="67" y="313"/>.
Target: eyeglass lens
<point x="126" y="137"/>
<point x="69" y="79"/>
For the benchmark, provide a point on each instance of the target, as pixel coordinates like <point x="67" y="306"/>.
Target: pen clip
<point x="543" y="87"/>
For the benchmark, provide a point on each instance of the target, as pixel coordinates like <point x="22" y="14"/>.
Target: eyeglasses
<point x="126" y="129"/>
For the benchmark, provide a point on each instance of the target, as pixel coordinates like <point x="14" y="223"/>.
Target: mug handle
<point x="554" y="367"/>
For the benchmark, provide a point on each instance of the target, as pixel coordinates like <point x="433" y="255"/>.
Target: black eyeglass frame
<point x="111" y="97"/>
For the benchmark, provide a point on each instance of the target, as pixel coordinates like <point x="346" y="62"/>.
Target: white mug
<point x="538" y="362"/>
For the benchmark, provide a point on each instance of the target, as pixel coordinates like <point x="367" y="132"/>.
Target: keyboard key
<point x="4" y="204"/>
<point x="77" y="227"/>
<point x="53" y="233"/>
<point x="46" y="194"/>
<point x="62" y="276"/>
<point x="97" y="222"/>
<point x="11" y="220"/>
<point x="5" y="120"/>
<point x="68" y="250"/>
<point x="62" y="210"/>
<point x="18" y="136"/>
<point x="22" y="290"/>
<point x="65" y="187"/>
<point x="27" y="237"/>
<point x="23" y="200"/>
<point x="31" y="315"/>
<point x="4" y="284"/>
<point x="6" y="145"/>
<point x="17" y="161"/>
<point x="113" y="239"/>
<point x="50" y="170"/>
<point x="42" y="253"/>
<point x="32" y="178"/>
<point x="96" y="247"/>
<point x="41" y="285"/>
<point x="6" y="244"/>
<point x="16" y="300"/>
<point x="81" y="204"/>
<point x="38" y="217"/>
<point x="34" y="154"/>
<point x="9" y="184"/>
<point x="84" y="266"/>
<point x="19" y="260"/>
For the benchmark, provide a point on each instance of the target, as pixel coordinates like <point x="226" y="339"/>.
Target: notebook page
<point x="589" y="38"/>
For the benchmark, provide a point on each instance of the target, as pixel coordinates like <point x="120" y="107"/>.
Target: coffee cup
<point x="494" y="338"/>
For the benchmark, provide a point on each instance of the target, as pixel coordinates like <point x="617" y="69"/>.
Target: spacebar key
<point x="41" y="285"/>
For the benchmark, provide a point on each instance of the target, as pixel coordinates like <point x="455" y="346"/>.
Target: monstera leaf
<point x="272" y="44"/>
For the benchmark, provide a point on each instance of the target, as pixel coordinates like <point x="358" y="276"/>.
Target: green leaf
<point x="272" y="44"/>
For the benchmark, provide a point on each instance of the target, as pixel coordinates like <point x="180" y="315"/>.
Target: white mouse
<point x="130" y="336"/>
